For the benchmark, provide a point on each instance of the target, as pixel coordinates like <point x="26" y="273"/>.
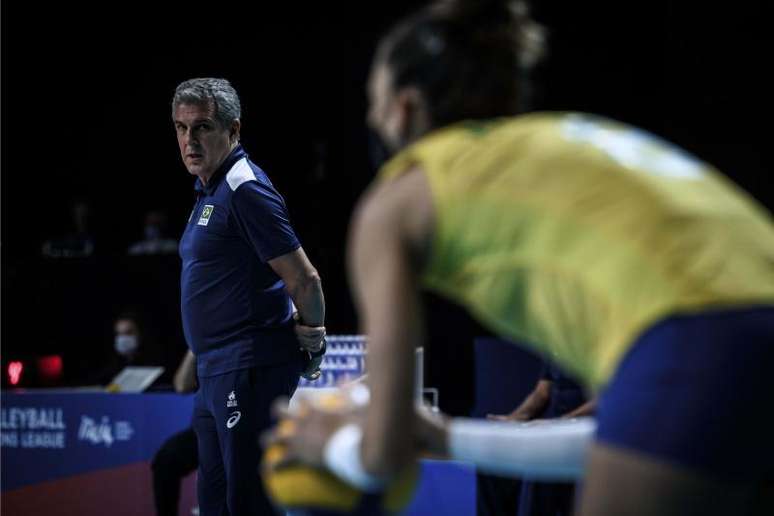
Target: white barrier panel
<point x="345" y="362"/>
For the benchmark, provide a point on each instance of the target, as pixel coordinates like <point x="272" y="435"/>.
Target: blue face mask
<point x="126" y="344"/>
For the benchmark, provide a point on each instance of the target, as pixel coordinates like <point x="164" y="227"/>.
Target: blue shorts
<point x="697" y="391"/>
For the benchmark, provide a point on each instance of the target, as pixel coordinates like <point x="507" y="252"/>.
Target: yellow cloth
<point x="573" y="233"/>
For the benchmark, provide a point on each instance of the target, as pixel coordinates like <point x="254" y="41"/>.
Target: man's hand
<point x="313" y="362"/>
<point x="587" y="409"/>
<point x="310" y="338"/>
<point x="516" y="415"/>
<point x="532" y="406"/>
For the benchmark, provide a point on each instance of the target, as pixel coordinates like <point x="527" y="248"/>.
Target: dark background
<point x="85" y="113"/>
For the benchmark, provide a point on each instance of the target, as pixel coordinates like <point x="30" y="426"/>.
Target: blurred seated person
<point x="178" y="456"/>
<point x="78" y="241"/>
<point x="554" y="396"/>
<point x="157" y="240"/>
<point x="133" y="345"/>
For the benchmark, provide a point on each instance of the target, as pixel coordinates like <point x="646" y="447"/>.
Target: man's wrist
<point x="301" y="322"/>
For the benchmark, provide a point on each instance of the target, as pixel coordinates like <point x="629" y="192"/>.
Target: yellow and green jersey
<point x="573" y="234"/>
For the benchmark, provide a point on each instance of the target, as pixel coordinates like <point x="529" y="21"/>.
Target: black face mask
<point x="378" y="152"/>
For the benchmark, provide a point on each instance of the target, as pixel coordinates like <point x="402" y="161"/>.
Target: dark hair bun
<point x="475" y="13"/>
<point x="468" y="58"/>
<point x="496" y="19"/>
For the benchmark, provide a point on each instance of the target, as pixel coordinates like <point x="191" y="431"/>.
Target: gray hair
<point x="210" y="91"/>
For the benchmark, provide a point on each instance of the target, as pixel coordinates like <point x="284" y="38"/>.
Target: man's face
<point x="203" y="143"/>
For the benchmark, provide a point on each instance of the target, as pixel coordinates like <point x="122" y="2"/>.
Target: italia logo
<point x="206" y="213"/>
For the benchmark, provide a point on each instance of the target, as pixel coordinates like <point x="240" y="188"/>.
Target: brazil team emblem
<point x="206" y="213"/>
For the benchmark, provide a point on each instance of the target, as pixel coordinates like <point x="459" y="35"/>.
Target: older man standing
<point x="243" y="271"/>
